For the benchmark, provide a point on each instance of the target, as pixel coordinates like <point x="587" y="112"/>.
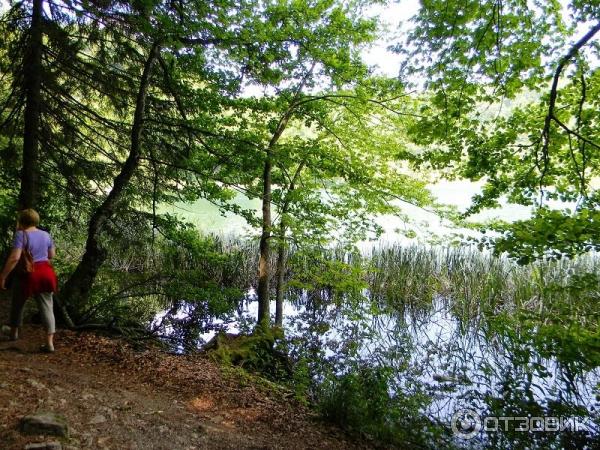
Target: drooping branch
<point x="575" y="133"/>
<point x="231" y="42"/>
<point x="77" y="288"/>
<point x="583" y="143"/>
<point x="550" y="117"/>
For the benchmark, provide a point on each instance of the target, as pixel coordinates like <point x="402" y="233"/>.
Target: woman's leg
<point x="44" y="301"/>
<point x="17" y="305"/>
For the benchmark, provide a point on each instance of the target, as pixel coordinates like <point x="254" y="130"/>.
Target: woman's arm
<point x="10" y="264"/>
<point x="51" y="252"/>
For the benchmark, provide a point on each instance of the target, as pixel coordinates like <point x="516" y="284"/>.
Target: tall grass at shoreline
<point x="472" y="281"/>
<point x="400" y="278"/>
<point x="396" y="278"/>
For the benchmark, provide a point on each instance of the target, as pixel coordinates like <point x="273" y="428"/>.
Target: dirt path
<point x="115" y="397"/>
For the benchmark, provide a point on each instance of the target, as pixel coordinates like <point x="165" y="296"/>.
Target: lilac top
<point x="39" y="243"/>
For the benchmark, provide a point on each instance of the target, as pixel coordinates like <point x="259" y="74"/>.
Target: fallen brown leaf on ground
<point x="116" y="397"/>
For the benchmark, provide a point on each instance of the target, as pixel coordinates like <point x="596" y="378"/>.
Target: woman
<point x="40" y="283"/>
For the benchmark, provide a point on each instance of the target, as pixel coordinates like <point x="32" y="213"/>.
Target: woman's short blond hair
<point x="28" y="218"/>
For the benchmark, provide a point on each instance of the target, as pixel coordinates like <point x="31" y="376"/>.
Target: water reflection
<point x="486" y="365"/>
<point x="492" y="370"/>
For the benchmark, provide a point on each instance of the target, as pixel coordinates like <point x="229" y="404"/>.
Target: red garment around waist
<point x="42" y="279"/>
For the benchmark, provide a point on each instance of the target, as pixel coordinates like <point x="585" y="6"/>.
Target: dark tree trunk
<point x="264" y="271"/>
<point x="280" y="271"/>
<point x="264" y="274"/>
<point x="77" y="288"/>
<point x="32" y="79"/>
<point x="281" y="253"/>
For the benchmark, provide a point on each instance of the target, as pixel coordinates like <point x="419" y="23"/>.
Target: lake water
<point x="489" y="385"/>
<point x="210" y="219"/>
<point x="486" y="384"/>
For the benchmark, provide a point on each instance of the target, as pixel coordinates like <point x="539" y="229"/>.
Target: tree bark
<point x="280" y="272"/>
<point x="281" y="253"/>
<point x="32" y="80"/>
<point x="264" y="274"/>
<point x="264" y="271"/>
<point x="76" y="291"/>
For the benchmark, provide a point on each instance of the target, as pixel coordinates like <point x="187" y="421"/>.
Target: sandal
<point x="44" y="348"/>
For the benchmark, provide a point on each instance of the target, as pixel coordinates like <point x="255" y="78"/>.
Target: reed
<point x="399" y="278"/>
<point x="392" y="277"/>
<point x="473" y="282"/>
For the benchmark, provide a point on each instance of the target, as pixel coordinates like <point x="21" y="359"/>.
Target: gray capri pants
<point x="45" y="305"/>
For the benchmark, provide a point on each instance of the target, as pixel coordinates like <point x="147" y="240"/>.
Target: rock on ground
<point x="45" y="423"/>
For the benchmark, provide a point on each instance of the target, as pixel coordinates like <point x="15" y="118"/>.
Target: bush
<point x="360" y="401"/>
<point x="260" y="352"/>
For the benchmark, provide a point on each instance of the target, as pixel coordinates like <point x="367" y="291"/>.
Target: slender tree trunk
<point x="76" y="290"/>
<point x="281" y="253"/>
<point x="264" y="271"/>
<point x="32" y="79"/>
<point x="264" y="274"/>
<point x="280" y="286"/>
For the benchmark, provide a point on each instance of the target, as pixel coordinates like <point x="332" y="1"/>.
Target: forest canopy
<point x="111" y="109"/>
<point x="511" y="98"/>
<point x="114" y="112"/>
